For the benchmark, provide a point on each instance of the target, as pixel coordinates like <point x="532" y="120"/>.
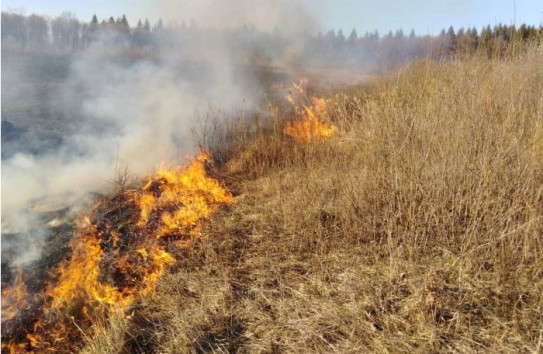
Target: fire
<point x="185" y="197"/>
<point x="14" y="298"/>
<point x="311" y="126"/>
<point x="118" y="255"/>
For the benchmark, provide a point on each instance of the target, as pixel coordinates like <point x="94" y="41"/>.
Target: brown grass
<point x="417" y="229"/>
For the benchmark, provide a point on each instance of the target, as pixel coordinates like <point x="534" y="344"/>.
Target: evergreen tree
<point x="147" y="26"/>
<point x="474" y="33"/>
<point x="124" y="22"/>
<point x="460" y="32"/>
<point x="486" y="36"/>
<point x="451" y="36"/>
<point x="353" y="36"/>
<point x="340" y="36"/>
<point x="159" y="27"/>
<point x="122" y="25"/>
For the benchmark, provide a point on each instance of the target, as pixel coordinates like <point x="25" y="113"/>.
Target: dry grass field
<point x="417" y="228"/>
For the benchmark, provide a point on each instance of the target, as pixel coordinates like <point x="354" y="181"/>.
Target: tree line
<point x="396" y="48"/>
<point x="66" y="34"/>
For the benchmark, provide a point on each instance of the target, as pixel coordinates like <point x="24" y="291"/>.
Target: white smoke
<point x="138" y="113"/>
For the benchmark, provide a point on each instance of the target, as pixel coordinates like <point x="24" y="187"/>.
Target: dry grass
<point x="417" y="229"/>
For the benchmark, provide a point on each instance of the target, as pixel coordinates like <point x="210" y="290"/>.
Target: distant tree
<point x="451" y="38"/>
<point x="37" y="30"/>
<point x="85" y="35"/>
<point x="353" y="37"/>
<point x="124" y="21"/>
<point x="147" y="26"/>
<point x="141" y="36"/>
<point x="473" y="38"/>
<point x="486" y="36"/>
<point x="13" y="28"/>
<point x="330" y="35"/>
<point x="88" y="31"/>
<point x="122" y="25"/>
<point x="460" y="32"/>
<point x="412" y="34"/>
<point x="451" y="34"/>
<point x="522" y="32"/>
<point x="74" y="33"/>
<point x="60" y="32"/>
<point x="340" y="36"/>
<point x="159" y="27"/>
<point x="93" y="25"/>
<point x="474" y="33"/>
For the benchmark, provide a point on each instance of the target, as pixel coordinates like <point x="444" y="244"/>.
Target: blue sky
<point x="425" y="16"/>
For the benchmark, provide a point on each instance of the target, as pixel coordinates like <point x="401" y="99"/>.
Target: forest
<point x="66" y="35"/>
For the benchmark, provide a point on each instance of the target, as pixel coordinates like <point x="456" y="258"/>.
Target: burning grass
<point x="311" y="126"/>
<point x="117" y="256"/>
<point x="14" y="297"/>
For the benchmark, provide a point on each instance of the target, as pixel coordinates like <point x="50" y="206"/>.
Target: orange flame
<point x="186" y="197"/>
<point x="79" y="277"/>
<point x="311" y="127"/>
<point x="119" y="254"/>
<point x="14" y="297"/>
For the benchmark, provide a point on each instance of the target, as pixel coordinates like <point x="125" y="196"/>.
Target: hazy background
<point x="364" y="15"/>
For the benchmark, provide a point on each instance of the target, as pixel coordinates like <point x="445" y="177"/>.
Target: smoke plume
<point x="119" y="110"/>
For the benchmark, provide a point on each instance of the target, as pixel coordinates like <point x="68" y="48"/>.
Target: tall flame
<point x="119" y="254"/>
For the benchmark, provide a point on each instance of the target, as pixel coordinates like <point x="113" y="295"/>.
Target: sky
<point x="424" y="16"/>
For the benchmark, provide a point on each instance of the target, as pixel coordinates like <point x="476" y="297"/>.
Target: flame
<point x="118" y="255"/>
<point x="14" y="297"/>
<point x="311" y="126"/>
<point x="186" y="196"/>
<point x="79" y="277"/>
